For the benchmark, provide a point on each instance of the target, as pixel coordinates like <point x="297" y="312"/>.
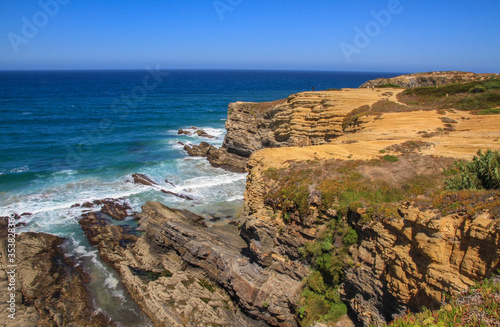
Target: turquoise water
<point x="69" y="137"/>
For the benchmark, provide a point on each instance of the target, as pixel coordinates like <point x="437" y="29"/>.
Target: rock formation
<point x="198" y="271"/>
<point x="429" y="79"/>
<point x="415" y="259"/>
<point x="303" y="119"/>
<point x="50" y="289"/>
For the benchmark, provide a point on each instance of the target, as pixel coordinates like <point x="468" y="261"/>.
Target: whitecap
<point x="211" y="181"/>
<point x="235" y="198"/>
<point x="22" y="169"/>
<point x="111" y="282"/>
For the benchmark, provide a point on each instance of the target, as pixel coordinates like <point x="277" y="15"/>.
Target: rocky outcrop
<point x="50" y="289"/>
<point x="405" y="259"/>
<point x="143" y="179"/>
<point x="198" y="272"/>
<point x="417" y="258"/>
<point x="303" y="119"/>
<point x="169" y="291"/>
<point x="429" y="79"/>
<point x="194" y="131"/>
<point x="261" y="292"/>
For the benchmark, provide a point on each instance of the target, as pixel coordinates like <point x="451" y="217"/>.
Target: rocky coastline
<point x="251" y="270"/>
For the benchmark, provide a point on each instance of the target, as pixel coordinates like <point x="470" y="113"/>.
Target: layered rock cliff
<point x="422" y="255"/>
<point x="409" y="255"/>
<point x="429" y="79"/>
<point x="303" y="119"/>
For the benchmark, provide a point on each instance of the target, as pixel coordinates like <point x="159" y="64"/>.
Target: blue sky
<point x="417" y="35"/>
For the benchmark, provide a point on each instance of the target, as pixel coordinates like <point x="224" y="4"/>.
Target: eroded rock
<point x="50" y="290"/>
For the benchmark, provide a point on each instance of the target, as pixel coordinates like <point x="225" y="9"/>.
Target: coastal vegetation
<point x="391" y="85"/>
<point x="328" y="191"/>
<point x="483" y="172"/>
<point x="469" y="96"/>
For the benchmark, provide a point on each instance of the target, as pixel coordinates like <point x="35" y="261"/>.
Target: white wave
<point x="67" y="172"/>
<point x="22" y="169"/>
<point x="27" y="113"/>
<point x="111" y="282"/>
<point x="236" y="198"/>
<point x="217" y="132"/>
<point x="211" y="181"/>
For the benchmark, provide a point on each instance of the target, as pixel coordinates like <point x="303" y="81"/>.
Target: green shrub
<point x="388" y="85"/>
<point x="390" y="158"/>
<point x="490" y="99"/>
<point x="483" y="172"/>
<point x="350" y="238"/>
<point x="491" y="111"/>
<point x="477" y="89"/>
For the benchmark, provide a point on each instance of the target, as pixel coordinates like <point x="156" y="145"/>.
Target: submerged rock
<point x="143" y="179"/>
<point x="179" y="195"/>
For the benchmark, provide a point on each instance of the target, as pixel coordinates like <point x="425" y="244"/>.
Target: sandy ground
<point x="472" y="132"/>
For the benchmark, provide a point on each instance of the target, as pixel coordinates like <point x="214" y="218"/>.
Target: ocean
<point x="69" y="137"/>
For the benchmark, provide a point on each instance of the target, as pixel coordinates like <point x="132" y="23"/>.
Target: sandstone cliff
<point x="403" y="261"/>
<point x="419" y="256"/>
<point x="429" y="79"/>
<point x="303" y="119"/>
<point x="407" y="257"/>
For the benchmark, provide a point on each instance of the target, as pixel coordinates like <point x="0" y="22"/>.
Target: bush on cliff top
<point x="483" y="172"/>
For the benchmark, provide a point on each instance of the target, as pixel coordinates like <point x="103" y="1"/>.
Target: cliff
<point x="303" y="119"/>
<point x="410" y="253"/>
<point x="429" y="79"/>
<point x="421" y="255"/>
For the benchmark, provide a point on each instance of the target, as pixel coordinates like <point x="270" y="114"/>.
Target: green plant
<point x="389" y="85"/>
<point x="350" y="238"/>
<point x="490" y="111"/>
<point x="483" y="172"/>
<point x="206" y="284"/>
<point x="390" y="158"/>
<point x="477" y="89"/>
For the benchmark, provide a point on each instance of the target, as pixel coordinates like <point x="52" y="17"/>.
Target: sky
<point x="350" y="35"/>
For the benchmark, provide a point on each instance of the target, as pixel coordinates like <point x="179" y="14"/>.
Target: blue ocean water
<point x="69" y="137"/>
